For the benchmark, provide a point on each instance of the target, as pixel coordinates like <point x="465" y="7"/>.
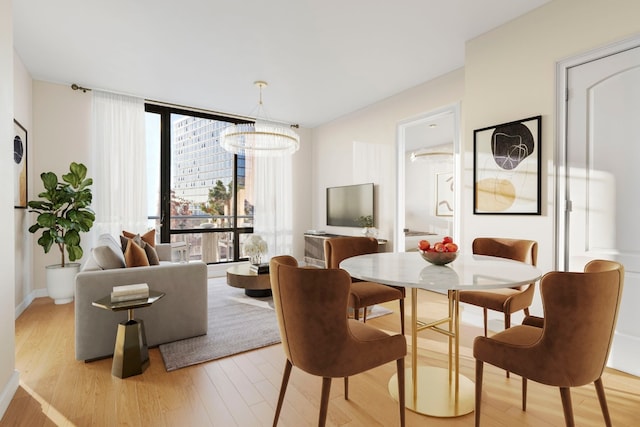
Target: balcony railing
<point x="209" y="238"/>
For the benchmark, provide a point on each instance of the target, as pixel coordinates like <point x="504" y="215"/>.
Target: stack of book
<point x="130" y="292"/>
<point x="262" y="268"/>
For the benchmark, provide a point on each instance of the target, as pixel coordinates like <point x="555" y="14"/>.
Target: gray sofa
<point x="182" y="313"/>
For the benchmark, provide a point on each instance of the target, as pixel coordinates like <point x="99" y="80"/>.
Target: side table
<point x="130" y="354"/>
<point x="254" y="284"/>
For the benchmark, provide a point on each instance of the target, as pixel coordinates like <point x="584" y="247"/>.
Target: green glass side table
<point x="130" y="354"/>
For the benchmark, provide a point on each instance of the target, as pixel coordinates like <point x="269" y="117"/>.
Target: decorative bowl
<point x="439" y="258"/>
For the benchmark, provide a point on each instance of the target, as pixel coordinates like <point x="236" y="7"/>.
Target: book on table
<point x="262" y="268"/>
<point x="130" y="292"/>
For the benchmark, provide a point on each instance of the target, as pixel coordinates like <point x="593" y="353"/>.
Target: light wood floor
<point x="242" y="390"/>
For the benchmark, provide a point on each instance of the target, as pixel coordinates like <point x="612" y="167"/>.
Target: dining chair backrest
<point x="515" y="249"/>
<point x="580" y="313"/>
<point x="338" y="249"/>
<point x="310" y="304"/>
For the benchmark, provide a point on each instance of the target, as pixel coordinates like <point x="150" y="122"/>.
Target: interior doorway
<point x="597" y="177"/>
<point x="427" y="153"/>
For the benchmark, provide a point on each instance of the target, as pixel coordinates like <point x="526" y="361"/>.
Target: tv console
<point x="314" y="247"/>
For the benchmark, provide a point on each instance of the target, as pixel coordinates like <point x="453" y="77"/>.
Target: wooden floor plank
<point x="242" y="390"/>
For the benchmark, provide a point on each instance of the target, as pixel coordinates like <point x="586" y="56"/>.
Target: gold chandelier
<point x="263" y="138"/>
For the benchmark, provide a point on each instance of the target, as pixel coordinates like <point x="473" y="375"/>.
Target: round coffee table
<point x="255" y="285"/>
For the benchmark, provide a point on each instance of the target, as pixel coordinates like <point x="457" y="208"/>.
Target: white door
<point x="603" y="182"/>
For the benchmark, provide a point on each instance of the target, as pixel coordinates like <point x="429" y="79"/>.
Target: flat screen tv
<point x="346" y="204"/>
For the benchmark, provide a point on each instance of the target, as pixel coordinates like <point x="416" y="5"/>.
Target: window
<point x="198" y="193"/>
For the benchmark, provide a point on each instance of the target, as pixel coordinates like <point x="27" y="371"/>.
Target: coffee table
<point x="254" y="284"/>
<point x="130" y="353"/>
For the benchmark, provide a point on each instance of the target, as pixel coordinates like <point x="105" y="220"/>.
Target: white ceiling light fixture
<point x="441" y="151"/>
<point x="264" y="138"/>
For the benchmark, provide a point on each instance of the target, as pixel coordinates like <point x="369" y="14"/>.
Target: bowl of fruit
<point x="440" y="253"/>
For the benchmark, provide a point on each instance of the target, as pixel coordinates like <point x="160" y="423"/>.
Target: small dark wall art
<point x="19" y="166"/>
<point x="506" y="168"/>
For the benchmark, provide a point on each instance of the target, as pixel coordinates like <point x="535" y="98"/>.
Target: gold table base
<point x="435" y="393"/>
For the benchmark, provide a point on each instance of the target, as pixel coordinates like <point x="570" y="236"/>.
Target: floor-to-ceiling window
<point x="199" y="194"/>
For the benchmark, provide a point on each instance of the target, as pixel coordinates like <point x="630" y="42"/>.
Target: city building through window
<point x="198" y="193"/>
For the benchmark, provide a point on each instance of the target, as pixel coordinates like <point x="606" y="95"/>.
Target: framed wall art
<point x="19" y="166"/>
<point x="444" y="194"/>
<point x="506" y="168"/>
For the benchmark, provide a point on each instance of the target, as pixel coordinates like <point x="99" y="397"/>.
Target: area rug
<point x="237" y="323"/>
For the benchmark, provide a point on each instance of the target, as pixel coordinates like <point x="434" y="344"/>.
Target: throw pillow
<point x="148" y="237"/>
<point x="106" y="258"/>
<point x="134" y="255"/>
<point x="150" y="251"/>
<point x="152" y="255"/>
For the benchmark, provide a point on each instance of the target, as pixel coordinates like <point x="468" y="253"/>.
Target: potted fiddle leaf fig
<point x="63" y="213"/>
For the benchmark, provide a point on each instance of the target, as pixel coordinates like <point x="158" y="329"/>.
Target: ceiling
<point x="322" y="59"/>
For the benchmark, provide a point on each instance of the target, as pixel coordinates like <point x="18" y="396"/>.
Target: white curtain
<point x="273" y="210"/>
<point x="120" y="181"/>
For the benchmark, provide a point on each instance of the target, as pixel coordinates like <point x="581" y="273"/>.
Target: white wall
<point x="22" y="106"/>
<point x="8" y="375"/>
<point x="420" y="188"/>
<point x="61" y="135"/>
<point x="510" y="75"/>
<point x="335" y="162"/>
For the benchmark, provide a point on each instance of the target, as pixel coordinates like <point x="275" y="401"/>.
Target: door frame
<point x="399" y="222"/>
<point x="563" y="200"/>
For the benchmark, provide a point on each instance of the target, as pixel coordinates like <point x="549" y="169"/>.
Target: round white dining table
<point x="431" y="390"/>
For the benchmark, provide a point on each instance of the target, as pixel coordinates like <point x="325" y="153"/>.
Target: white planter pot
<point x="61" y="281"/>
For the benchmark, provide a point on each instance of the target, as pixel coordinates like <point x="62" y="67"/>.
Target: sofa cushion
<point x="134" y="255"/>
<point x="149" y="237"/>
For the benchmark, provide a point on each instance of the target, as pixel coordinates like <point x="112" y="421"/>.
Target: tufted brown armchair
<point x="362" y="294"/>
<point x="572" y="346"/>
<point x="318" y="338"/>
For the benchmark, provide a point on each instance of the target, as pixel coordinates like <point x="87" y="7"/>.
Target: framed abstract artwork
<point x="506" y="168"/>
<point x="19" y="166"/>
<point x="444" y="194"/>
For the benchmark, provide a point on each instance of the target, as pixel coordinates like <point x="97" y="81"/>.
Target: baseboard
<point x="218" y="270"/>
<point x="37" y="293"/>
<point x="8" y="391"/>
<point x="624" y="354"/>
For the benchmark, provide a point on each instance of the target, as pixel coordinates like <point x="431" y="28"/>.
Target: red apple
<point x="424" y="245"/>
<point x="450" y="247"/>
<point x="439" y="247"/>
<point x="447" y="239"/>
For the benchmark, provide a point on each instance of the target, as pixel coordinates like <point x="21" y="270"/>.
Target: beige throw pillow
<point x="106" y="258"/>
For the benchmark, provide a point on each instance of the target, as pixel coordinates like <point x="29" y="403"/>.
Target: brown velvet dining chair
<point x="319" y="339"/>
<point x="570" y="345"/>
<point x="509" y="300"/>
<point x="362" y="294"/>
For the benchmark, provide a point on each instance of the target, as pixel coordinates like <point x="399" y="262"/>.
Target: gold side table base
<point x="130" y="355"/>
<point x="435" y="392"/>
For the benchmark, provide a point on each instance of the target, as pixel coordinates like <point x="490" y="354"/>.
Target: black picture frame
<point x="507" y="168"/>
<point x="21" y="176"/>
